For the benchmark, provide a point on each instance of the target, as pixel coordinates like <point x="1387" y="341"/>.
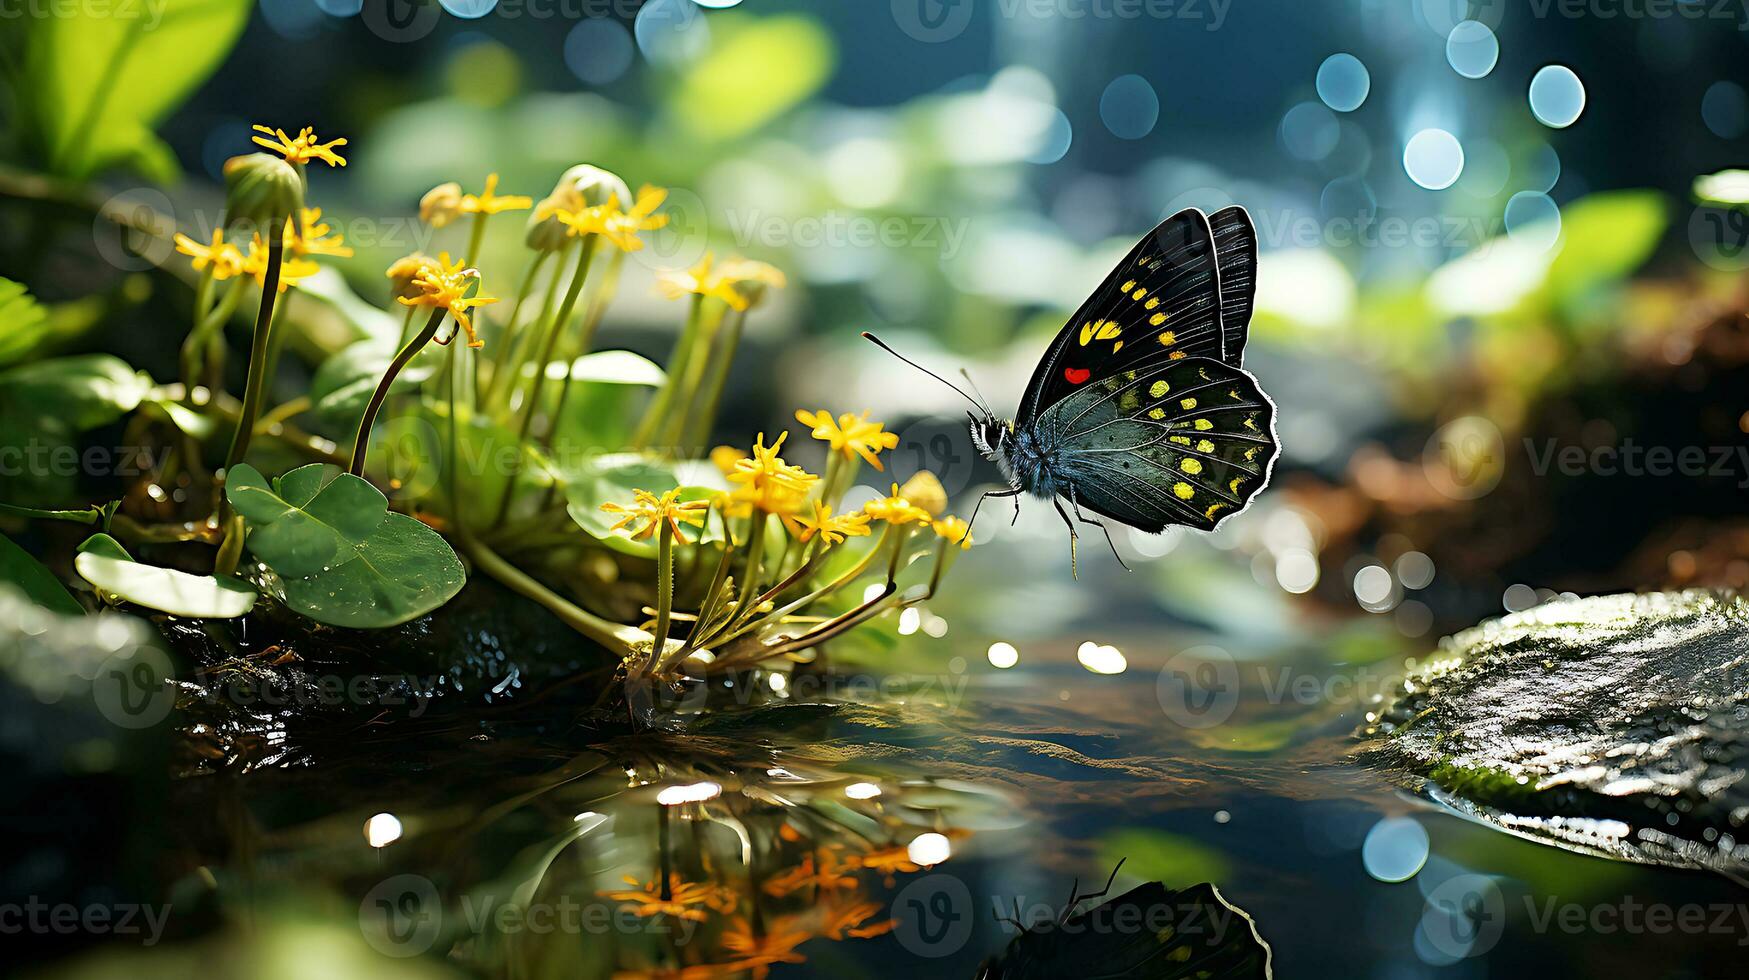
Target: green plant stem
<point x="750" y="573"/>
<point x="501" y="359"/>
<point x="656" y="415"/>
<point x="703" y="419"/>
<point x="211" y="323"/>
<point x="592" y="314"/>
<point x="452" y="469"/>
<point x="554" y="330"/>
<point x="526" y="338"/>
<point x="252" y="390"/>
<point x="664" y="593"/>
<point x="361" y="443"/>
<point x="697" y="363"/>
<point x="613" y="636"/>
<point x="406" y="325"/>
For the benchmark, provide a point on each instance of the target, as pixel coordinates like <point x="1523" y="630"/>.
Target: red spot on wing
<point x="1076" y="375"/>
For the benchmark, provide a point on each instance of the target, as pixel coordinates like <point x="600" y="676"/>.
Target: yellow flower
<point x="488" y="202"/>
<point x="767" y="482"/>
<point x="924" y="490"/>
<point x="619" y="227"/>
<point x="698" y="280"/>
<point x="292" y="270"/>
<point x="686" y="899"/>
<point x="852" y="435"/>
<point x="654" y="511"/>
<point x="301" y="148"/>
<point x="309" y="235"/>
<point x="954" y="530"/>
<point x="404" y="273"/>
<point x="749" y="279"/>
<point x="724" y="457"/>
<point x="832" y="529"/>
<point x="445" y="285"/>
<point x="441" y="204"/>
<point x="226" y="259"/>
<point x="895" y="509"/>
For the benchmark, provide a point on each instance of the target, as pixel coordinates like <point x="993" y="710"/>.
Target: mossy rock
<point x="1615" y="725"/>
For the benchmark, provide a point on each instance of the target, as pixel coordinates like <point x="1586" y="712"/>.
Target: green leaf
<point x="24" y="324"/>
<point x="344" y="559"/>
<point x="71" y="394"/>
<point x="99" y="77"/>
<point x="344" y="383"/>
<point x="1604" y="237"/>
<point x="607" y="388"/>
<point x="360" y="319"/>
<point x="757" y="69"/>
<point x="103" y="562"/>
<point x="37" y="583"/>
<point x="1729" y="188"/>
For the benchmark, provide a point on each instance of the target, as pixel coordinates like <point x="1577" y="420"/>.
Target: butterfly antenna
<point x="986" y="402"/>
<point x="962" y="392"/>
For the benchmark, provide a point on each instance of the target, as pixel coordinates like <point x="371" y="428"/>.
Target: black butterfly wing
<point x="1187" y="441"/>
<point x="1236" y="254"/>
<point x="1148" y="933"/>
<point x="1162" y="301"/>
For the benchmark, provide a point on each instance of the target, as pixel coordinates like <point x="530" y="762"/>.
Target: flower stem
<point x="513" y="371"/>
<point x="501" y="360"/>
<point x="258" y="349"/>
<point x="361" y="443"/>
<point x="613" y="636"/>
<point x="711" y="396"/>
<point x="664" y="592"/>
<point x="656" y="415"/>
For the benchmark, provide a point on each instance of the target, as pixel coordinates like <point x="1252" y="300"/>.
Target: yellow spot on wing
<point x="1184" y="490"/>
<point x="1159" y="389"/>
<point x="1205" y="446"/>
<point x="1210" y="513"/>
<point x="1191" y="466"/>
<point x="1157" y="414"/>
<point x="1234" y="486"/>
<point x="1168" y="338"/>
<point x="1187" y="403"/>
<point x="1152" y="302"/>
<point x="1139" y="293"/>
<point x="1181" y="440"/>
<point x="1203" y="425"/>
<point x="1128" y="285"/>
<point x="1157" y="319"/>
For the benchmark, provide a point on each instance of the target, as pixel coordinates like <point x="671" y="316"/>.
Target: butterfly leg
<point x="1011" y="492"/>
<point x="1073" y="536"/>
<point x="1083" y="518"/>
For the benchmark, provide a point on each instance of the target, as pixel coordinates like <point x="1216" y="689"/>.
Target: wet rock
<point x="1614" y="725"/>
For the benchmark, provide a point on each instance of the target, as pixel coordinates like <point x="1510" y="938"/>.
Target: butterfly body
<point x="1140" y="411"/>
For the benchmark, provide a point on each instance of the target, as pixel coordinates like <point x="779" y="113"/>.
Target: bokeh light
<point x="1557" y="97"/>
<point x="1472" y="50"/>
<point x="1534" y="218"/>
<point x="469" y="9"/>
<point x="1434" y="159"/>
<point x="1003" y="655"/>
<point x="1309" y="131"/>
<point x="1129" y="107"/>
<point x="1725" y="110"/>
<point x="671" y="32"/>
<point x="1343" y="82"/>
<point x="1395" y="849"/>
<point x="598" y="50"/>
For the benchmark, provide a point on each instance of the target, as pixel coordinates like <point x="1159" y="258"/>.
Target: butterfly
<point x="1140" y="410"/>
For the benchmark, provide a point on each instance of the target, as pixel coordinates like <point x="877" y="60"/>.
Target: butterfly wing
<point x="1236" y="254"/>
<point x="1162" y="301"/>
<point x="1187" y="441"/>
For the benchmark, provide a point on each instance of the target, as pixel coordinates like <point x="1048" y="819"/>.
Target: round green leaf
<point x="104" y="563"/>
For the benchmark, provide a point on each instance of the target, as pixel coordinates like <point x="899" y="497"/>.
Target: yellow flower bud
<point x="441" y="204"/>
<point x="262" y="190"/>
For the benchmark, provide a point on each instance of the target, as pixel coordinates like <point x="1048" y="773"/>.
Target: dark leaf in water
<point x="1614" y="725"/>
<point x="1148" y="932"/>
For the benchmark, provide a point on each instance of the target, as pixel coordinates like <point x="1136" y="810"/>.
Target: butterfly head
<point x="991" y="435"/>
